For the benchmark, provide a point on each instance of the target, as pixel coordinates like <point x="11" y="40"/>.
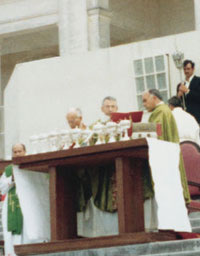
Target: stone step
<point x="194" y="215"/>
<point x="188" y="253"/>
<point x="195" y="222"/>
<point x="188" y="247"/>
<point x="196" y="230"/>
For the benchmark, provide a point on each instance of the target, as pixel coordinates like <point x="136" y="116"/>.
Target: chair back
<point x="191" y="157"/>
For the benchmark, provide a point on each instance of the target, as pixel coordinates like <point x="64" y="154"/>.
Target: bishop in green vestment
<point x="152" y="101"/>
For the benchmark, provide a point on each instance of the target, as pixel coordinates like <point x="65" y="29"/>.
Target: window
<point x="151" y="73"/>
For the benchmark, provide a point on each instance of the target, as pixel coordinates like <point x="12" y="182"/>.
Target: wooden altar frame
<point x="128" y="157"/>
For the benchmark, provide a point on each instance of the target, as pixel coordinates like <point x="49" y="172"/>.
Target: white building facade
<point x="67" y="36"/>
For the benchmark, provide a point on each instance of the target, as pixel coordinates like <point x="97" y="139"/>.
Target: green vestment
<point x="15" y="218"/>
<point x="102" y="184"/>
<point x="163" y="115"/>
<point x="98" y="183"/>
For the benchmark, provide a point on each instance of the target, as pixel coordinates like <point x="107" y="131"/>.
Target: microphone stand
<point x="183" y="96"/>
<point x="178" y="61"/>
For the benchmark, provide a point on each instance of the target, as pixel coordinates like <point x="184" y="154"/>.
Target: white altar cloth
<point x="33" y="192"/>
<point x="164" y="162"/>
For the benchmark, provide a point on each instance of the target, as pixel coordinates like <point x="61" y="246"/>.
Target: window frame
<point x="155" y="73"/>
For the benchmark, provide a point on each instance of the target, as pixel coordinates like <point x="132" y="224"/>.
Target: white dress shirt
<point x="187" y="83"/>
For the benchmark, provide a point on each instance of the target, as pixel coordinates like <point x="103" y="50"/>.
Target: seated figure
<point x="75" y="119"/>
<point x="188" y="128"/>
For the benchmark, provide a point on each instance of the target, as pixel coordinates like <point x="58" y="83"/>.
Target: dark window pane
<point x="139" y="85"/>
<point x="150" y="80"/>
<point x="138" y="68"/>
<point x="148" y="63"/>
<point x="160" y="64"/>
<point x="161" y="80"/>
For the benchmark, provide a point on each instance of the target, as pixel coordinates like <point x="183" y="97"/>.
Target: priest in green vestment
<point x="160" y="113"/>
<point x="12" y="218"/>
<point x="97" y="195"/>
<point x="103" y="178"/>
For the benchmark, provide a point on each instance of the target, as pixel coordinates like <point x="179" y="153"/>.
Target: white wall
<point x="40" y="92"/>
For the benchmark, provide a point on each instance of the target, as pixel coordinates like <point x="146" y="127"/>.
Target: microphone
<point x="183" y="97"/>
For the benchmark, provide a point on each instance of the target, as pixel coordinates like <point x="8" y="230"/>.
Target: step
<point x="194" y="215"/>
<point x="195" y="222"/>
<point x="188" y="253"/>
<point x="196" y="230"/>
<point x="188" y="247"/>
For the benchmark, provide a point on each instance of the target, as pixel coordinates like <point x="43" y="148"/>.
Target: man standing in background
<point x="190" y="90"/>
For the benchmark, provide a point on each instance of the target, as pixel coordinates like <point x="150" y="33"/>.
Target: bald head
<point x="74" y="118"/>
<point x="151" y="99"/>
<point x="18" y="150"/>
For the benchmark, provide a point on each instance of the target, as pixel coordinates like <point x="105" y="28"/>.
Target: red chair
<point x="191" y="158"/>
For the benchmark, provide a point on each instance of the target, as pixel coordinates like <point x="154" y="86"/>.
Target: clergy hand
<point x="183" y="88"/>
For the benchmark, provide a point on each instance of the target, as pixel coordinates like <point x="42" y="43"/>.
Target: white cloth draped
<point x="33" y="193"/>
<point x="93" y="222"/>
<point x="164" y="162"/>
<point x="32" y="189"/>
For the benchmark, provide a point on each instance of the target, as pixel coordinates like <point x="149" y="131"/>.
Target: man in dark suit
<point x="190" y="90"/>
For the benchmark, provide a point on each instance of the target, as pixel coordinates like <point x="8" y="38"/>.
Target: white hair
<point x="75" y="110"/>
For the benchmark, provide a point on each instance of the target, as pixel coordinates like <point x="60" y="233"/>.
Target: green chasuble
<point x="163" y="115"/>
<point x="103" y="187"/>
<point x="15" y="218"/>
<point x="98" y="183"/>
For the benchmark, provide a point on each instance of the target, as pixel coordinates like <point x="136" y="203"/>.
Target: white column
<point x="1" y="112"/>
<point x="73" y="35"/>
<point x="197" y="14"/>
<point x="99" y="18"/>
